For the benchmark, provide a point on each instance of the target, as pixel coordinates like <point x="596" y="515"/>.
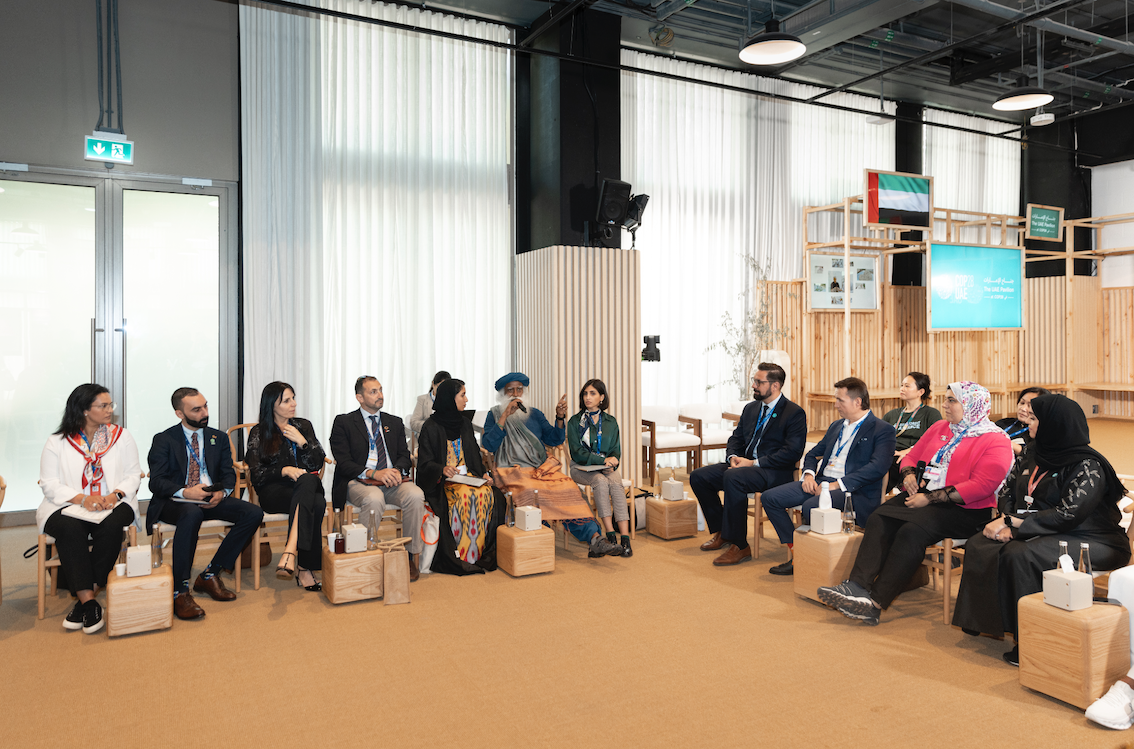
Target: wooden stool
<point x="823" y="560"/>
<point x="522" y="553"/>
<point x="139" y="604"/>
<point x="352" y="577"/>
<point x="676" y="519"/>
<point x="1073" y="656"/>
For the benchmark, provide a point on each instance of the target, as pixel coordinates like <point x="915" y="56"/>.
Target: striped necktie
<point x="379" y="445"/>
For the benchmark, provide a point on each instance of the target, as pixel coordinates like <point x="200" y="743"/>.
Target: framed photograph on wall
<point x="831" y="279"/>
<point x="896" y="200"/>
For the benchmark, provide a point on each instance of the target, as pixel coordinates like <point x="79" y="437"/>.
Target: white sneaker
<point x="1115" y="709"/>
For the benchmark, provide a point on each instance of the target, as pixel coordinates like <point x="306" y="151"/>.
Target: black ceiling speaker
<point x="614" y="198"/>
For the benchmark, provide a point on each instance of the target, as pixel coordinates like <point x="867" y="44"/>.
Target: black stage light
<point x="634" y="212"/>
<point x="650" y="352"/>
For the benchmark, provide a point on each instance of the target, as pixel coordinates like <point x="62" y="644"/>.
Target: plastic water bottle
<point x="372" y="532"/>
<point x="1085" y="558"/>
<point x="510" y="511"/>
<point x="848" y="514"/>
<point x="125" y="544"/>
<point x="155" y="551"/>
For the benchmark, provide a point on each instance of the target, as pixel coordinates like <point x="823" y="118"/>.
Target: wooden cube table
<point x="522" y="553"/>
<point x="352" y="577"/>
<point x="1073" y="656"/>
<point x="139" y="604"/>
<point x="671" y="519"/>
<point x="823" y="560"/>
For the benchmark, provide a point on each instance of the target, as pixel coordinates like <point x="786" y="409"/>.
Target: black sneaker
<point x="74" y="620"/>
<point x="600" y="547"/>
<point x="92" y="617"/>
<point x="1012" y="657"/>
<point x="626" y="550"/>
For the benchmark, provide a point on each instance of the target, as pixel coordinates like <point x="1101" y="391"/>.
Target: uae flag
<point x="897" y="199"/>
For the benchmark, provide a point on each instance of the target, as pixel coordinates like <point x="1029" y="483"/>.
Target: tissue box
<point x="672" y="490"/>
<point x="528" y="519"/>
<point x="826" y="521"/>
<point x="355" y="534"/>
<point x="138" y="561"/>
<point x="1069" y="591"/>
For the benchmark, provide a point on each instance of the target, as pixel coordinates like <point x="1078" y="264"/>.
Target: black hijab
<point x="1063" y="439"/>
<point x="445" y="411"/>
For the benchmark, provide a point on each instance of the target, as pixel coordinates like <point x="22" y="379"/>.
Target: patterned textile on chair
<point x="559" y="496"/>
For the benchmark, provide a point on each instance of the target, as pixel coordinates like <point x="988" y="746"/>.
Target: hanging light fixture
<point x="1022" y="97"/>
<point x="771" y="46"/>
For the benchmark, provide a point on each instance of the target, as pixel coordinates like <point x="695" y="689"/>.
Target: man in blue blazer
<point x="761" y="453"/>
<point x="191" y="477"/>
<point x="856" y="453"/>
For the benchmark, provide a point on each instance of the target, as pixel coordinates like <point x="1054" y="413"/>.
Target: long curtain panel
<point x="410" y="267"/>
<point x="728" y="174"/>
<point x="971" y="172"/>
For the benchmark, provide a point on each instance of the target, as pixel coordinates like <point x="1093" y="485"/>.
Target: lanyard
<point x="840" y="442"/>
<point x="1018" y="432"/>
<point x="900" y="427"/>
<point x="457" y="449"/>
<point x="587" y="423"/>
<point x="760" y="424"/>
<point x="1033" y="480"/>
<point x="373" y="436"/>
<point x="952" y="443"/>
<point x="188" y="444"/>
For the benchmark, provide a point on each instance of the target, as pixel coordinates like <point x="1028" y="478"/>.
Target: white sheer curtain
<point x="728" y="175"/>
<point x="972" y="172"/>
<point x="377" y="228"/>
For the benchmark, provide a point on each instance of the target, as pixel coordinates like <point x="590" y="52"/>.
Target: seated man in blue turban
<point x="519" y="437"/>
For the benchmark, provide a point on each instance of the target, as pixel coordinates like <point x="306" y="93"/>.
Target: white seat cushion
<point x="662" y="416"/>
<point x="170" y="528"/>
<point x="669" y="440"/>
<point x="276" y="517"/>
<point x="715" y="436"/>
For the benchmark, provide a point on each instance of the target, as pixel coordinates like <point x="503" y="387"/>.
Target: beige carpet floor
<point x="658" y="650"/>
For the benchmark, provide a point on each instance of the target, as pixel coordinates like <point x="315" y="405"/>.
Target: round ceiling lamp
<point x="772" y="47"/>
<point x="1022" y="97"/>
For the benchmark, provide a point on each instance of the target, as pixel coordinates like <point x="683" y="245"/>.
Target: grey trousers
<point x="406" y="495"/>
<point x="606" y="486"/>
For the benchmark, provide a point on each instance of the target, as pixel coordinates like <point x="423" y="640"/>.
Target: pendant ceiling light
<point x="771" y="46"/>
<point x="1022" y="97"/>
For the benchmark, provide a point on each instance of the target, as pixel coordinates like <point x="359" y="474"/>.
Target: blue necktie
<point x="751" y="451"/>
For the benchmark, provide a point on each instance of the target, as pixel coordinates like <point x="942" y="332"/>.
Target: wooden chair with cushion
<point x="707" y="420"/>
<point x="657" y="421"/>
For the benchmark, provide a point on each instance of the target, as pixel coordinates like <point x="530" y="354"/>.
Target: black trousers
<point x="245" y="517"/>
<point x="895" y="539"/>
<point x="305" y="502"/>
<point x="730" y="519"/>
<point x="88" y="551"/>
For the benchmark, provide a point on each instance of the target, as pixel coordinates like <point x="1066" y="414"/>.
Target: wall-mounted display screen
<point x="974" y="287"/>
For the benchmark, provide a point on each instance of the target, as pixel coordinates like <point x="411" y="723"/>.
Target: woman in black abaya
<point x="1059" y="489"/>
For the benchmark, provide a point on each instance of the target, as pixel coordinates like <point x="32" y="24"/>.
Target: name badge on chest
<point x="932" y="472"/>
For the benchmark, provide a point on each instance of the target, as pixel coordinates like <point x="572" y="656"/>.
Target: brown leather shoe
<point x="733" y="556"/>
<point x="186" y="608"/>
<point x="714" y="543"/>
<point x="214" y="586"/>
<point x="414" y="572"/>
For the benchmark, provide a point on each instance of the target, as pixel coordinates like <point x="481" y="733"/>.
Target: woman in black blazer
<point x="284" y="459"/>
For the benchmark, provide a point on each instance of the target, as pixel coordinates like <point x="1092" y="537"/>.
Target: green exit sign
<point x="99" y="148"/>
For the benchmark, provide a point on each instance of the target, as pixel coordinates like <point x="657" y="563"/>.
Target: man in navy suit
<point x="372" y="465"/>
<point x="761" y="453"/>
<point x="856" y="453"/>
<point x="192" y="463"/>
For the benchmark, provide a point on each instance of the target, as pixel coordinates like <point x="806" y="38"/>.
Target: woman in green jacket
<point x="592" y="439"/>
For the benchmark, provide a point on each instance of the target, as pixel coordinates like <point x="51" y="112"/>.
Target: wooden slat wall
<point x="579" y="316"/>
<point x="1117" y="352"/>
<point x="1044" y="315"/>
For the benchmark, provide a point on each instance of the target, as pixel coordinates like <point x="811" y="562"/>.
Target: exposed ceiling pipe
<point x="1069" y="81"/>
<point x="930" y="56"/>
<point x="1046" y="24"/>
<point x="554" y="19"/>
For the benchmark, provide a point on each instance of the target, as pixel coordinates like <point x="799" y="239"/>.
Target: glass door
<point x="130" y="283"/>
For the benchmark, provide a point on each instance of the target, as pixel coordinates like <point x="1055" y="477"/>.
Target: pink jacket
<point x="978" y="466"/>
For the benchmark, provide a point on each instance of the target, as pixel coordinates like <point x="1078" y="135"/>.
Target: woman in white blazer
<point x="89" y="473"/>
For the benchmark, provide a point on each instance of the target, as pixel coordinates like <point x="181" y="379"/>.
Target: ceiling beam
<point x="930" y="56"/>
<point x="554" y="19"/>
<point x="1046" y="24"/>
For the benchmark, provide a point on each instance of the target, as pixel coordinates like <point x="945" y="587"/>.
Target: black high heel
<point x="283" y="572"/>
<point x="317" y="586"/>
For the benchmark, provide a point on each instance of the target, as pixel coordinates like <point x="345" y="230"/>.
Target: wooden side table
<point x="1073" y="656"/>
<point x="139" y="604"/>
<point x="671" y="519"/>
<point x="823" y="560"/>
<point x="352" y="577"/>
<point x="522" y="553"/>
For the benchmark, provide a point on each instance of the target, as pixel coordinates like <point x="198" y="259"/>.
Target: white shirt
<point x="372" y="457"/>
<point x="61" y="476"/>
<point x="836" y="467"/>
